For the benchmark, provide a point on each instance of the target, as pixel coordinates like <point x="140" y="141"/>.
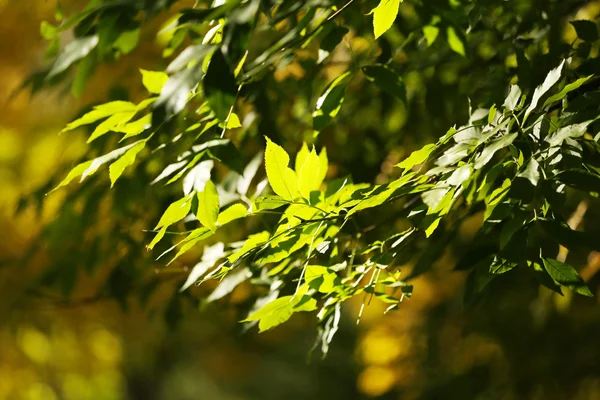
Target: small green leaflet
<point x="384" y="16"/>
<point x="101" y="111"/>
<point x="551" y="79"/>
<point x="280" y="310"/>
<point x="320" y="278"/>
<point x="232" y="213"/>
<point x="250" y="243"/>
<point x="90" y="167"/>
<point x="270" y="203"/>
<point x="176" y="211"/>
<point x="567" y="89"/>
<point x="417" y="157"/>
<point x="431" y="33"/>
<point x="283" y="180"/>
<point x="208" y="206"/>
<point x="531" y="172"/>
<point x="455" y="41"/>
<point x="154" y="81"/>
<point x="136" y="127"/>
<point x="115" y="170"/>
<point x="330" y="102"/>
<point x="74" y="51"/>
<point x="565" y="275"/>
<point x="491" y="149"/>
<point x="111" y="124"/>
<point x="513" y="98"/>
<point x="308" y="174"/>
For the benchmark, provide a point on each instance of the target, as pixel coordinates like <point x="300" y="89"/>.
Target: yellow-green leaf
<point x="384" y="16"/>
<point x="154" y="80"/>
<point x="101" y="111"/>
<point x="320" y="278"/>
<point x="309" y="172"/>
<point x="157" y="238"/>
<point x="455" y="41"/>
<point x="300" y="157"/>
<point x="280" y="310"/>
<point x="283" y="180"/>
<point x="250" y="243"/>
<point x="136" y="127"/>
<point x="208" y="206"/>
<point x="233" y="121"/>
<point x="417" y="157"/>
<point x="323" y="167"/>
<point x="74" y="173"/>
<point x="176" y="212"/>
<point x="116" y="169"/>
<point x="111" y="124"/>
<point x="431" y="33"/>
<point x="234" y="212"/>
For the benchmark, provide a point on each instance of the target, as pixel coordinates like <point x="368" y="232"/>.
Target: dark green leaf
<point x="565" y="275"/>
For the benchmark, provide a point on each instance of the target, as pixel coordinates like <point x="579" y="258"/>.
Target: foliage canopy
<point x="203" y="152"/>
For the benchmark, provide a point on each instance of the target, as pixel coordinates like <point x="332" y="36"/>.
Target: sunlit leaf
<point x="116" y="169"/>
<point x="208" y="206"/>
<point x="175" y="212"/>
<point x="565" y="275"/>
<point x="154" y="81"/>
<point x="384" y="16"/>
<point x="282" y="179"/>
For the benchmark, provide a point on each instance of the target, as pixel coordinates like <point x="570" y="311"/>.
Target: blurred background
<point x="521" y="341"/>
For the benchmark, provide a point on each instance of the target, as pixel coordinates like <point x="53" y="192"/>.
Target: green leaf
<point x="116" y="169"/>
<point x="531" y="172"/>
<point x="136" y="127"/>
<point x="386" y="80"/>
<point x="308" y="175"/>
<point x="566" y="90"/>
<point x="566" y="132"/>
<point x="282" y="179"/>
<point x="154" y="81"/>
<point x="232" y="213"/>
<point x="384" y="16"/>
<point x="280" y="310"/>
<point x="323" y="167"/>
<point x="301" y="157"/>
<point x="48" y="31"/>
<point x="208" y="206"/>
<point x="330" y="102"/>
<point x="101" y="111"/>
<point x="253" y="241"/>
<point x="551" y="79"/>
<point x="431" y="33"/>
<point x="586" y="30"/>
<point x="176" y="212"/>
<point x="565" y="275"/>
<point x="157" y="238"/>
<point x="417" y="157"/>
<point x="270" y="202"/>
<point x="220" y="87"/>
<point x="127" y="41"/>
<point x="320" y="278"/>
<point x="513" y="98"/>
<point x="233" y="121"/>
<point x="455" y="41"/>
<point x="74" y="173"/>
<point x="112" y="123"/>
<point x="491" y="149"/>
<point x="500" y="266"/>
<point x="74" y="51"/>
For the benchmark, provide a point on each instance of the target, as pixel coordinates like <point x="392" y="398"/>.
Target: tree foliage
<point x="203" y="152"/>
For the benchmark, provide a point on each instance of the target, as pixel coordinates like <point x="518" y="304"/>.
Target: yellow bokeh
<point x="375" y="381"/>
